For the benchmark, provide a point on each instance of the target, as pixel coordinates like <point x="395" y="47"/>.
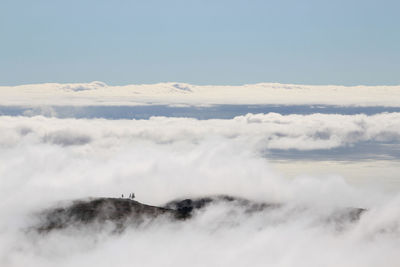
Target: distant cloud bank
<point x="258" y="131"/>
<point x="182" y="94"/>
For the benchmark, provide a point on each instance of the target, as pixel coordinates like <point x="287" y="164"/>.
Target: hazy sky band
<point x="202" y="42"/>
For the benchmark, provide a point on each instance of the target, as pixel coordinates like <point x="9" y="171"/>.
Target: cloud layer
<point x="45" y="160"/>
<point x="258" y="131"/>
<point x="98" y="93"/>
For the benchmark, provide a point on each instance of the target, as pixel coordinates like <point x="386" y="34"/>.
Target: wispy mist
<point x="45" y="160"/>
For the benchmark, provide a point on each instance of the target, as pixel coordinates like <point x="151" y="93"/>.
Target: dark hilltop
<point x="124" y="212"/>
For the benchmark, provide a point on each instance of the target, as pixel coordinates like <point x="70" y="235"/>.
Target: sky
<point x="182" y="99"/>
<point x="200" y="42"/>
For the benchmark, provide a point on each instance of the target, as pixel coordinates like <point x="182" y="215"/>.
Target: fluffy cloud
<point x="45" y="160"/>
<point x="76" y="87"/>
<point x="98" y="93"/>
<point x="258" y="131"/>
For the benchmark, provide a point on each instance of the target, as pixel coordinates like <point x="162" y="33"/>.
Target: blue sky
<point x="202" y="42"/>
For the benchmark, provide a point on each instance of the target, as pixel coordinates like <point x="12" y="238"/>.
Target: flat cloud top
<point x="99" y="93"/>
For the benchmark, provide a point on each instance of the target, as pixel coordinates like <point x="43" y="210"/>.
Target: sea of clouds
<point x="172" y="93"/>
<point x="258" y="131"/>
<point x="47" y="160"/>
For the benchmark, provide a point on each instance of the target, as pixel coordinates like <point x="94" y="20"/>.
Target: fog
<point x="45" y="161"/>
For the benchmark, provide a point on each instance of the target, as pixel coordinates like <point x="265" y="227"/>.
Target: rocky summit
<point x="124" y="212"/>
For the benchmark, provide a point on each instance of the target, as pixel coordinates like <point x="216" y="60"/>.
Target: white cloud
<point x="98" y="93"/>
<point x="258" y="131"/>
<point x="76" y="87"/>
<point x="45" y="160"/>
<point x="165" y="158"/>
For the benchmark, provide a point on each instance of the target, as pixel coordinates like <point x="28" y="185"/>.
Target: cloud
<point x="98" y="93"/>
<point x="66" y="138"/>
<point x="261" y="132"/>
<point x="76" y="87"/>
<point x="40" y="110"/>
<point x="164" y="158"/>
